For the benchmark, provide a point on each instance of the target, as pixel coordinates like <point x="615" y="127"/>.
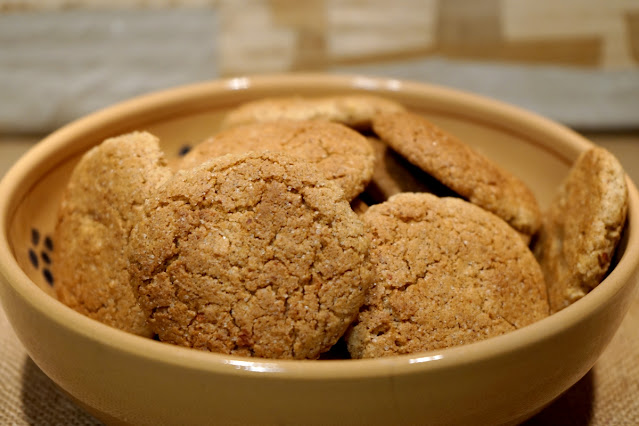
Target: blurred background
<point x="575" y="61"/>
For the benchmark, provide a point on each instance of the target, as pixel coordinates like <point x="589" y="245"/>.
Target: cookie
<point x="459" y="167"/>
<point x="582" y="227"/>
<point x="448" y="273"/>
<point x="342" y="154"/>
<point x="251" y="255"/>
<point x="393" y="174"/>
<point x="354" y="111"/>
<point x="101" y="204"/>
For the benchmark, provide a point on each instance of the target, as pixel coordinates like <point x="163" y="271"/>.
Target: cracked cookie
<point x="100" y="206"/>
<point x="355" y="111"/>
<point x="252" y="255"/>
<point x="447" y="273"/>
<point x="582" y="227"/>
<point x="340" y="153"/>
<point x="459" y="167"/>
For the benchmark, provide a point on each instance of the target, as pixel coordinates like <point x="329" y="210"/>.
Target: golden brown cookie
<point x="393" y="174"/>
<point x="459" y="167"/>
<point x="101" y="204"/>
<point x="582" y="227"/>
<point x="448" y="273"/>
<point x="342" y="154"/>
<point x="354" y="111"/>
<point x="252" y="255"/>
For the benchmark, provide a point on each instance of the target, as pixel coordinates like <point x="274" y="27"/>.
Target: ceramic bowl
<point x="125" y="379"/>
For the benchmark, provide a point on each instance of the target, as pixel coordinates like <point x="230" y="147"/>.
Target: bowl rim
<point x="17" y="281"/>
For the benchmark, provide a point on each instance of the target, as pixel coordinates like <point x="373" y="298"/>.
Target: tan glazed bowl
<point x="126" y="379"/>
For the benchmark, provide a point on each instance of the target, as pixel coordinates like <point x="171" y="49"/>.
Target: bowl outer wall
<point x="129" y="379"/>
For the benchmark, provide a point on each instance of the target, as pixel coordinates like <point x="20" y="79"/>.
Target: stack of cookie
<point x="306" y="221"/>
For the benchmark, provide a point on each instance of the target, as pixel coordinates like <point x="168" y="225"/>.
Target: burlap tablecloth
<point x="607" y="395"/>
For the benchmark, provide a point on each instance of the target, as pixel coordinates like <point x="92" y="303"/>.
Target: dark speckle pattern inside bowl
<point x="44" y="254"/>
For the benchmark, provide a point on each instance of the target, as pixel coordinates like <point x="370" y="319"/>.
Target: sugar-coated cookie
<point x="252" y="255"/>
<point x="582" y="227"/>
<point x="102" y="202"/>
<point x="393" y="174"/>
<point x="447" y="273"/>
<point x="340" y="153"/>
<point x="355" y="110"/>
<point x="459" y="167"/>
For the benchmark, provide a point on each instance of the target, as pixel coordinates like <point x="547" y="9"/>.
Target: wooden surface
<point x="607" y="395"/>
